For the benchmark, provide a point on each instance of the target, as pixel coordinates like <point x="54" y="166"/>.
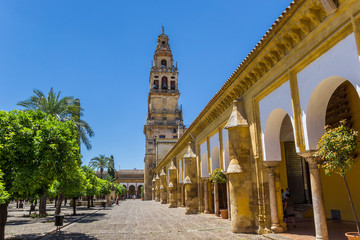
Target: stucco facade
<point x="262" y="126"/>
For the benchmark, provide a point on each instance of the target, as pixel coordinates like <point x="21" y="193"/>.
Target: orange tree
<point x="35" y="150"/>
<point x="336" y="148"/>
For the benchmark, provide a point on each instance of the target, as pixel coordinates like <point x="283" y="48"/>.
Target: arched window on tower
<point x="172" y="85"/>
<point x="156" y="84"/>
<point x="163" y="63"/>
<point x="164" y="83"/>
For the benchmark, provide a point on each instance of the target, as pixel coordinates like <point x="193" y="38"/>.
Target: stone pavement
<point x="149" y="220"/>
<point x="20" y="226"/>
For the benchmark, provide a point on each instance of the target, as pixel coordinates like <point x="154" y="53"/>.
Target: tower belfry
<point x="164" y="121"/>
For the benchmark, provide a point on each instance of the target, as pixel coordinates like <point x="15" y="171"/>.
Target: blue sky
<point x="101" y="52"/>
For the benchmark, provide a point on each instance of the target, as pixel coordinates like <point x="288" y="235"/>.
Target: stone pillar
<point x="216" y="199"/>
<point x="242" y="202"/>
<point x="206" y="196"/>
<point x="163" y="184"/>
<point x="317" y="196"/>
<point x="270" y="168"/>
<point x="157" y="188"/>
<point x="173" y="185"/>
<point x="153" y="189"/>
<point x="190" y="182"/>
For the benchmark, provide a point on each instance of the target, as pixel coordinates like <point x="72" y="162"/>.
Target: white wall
<point x="225" y="152"/>
<point x="273" y="109"/>
<point x="214" y="152"/>
<point x="203" y="159"/>
<point x="318" y="81"/>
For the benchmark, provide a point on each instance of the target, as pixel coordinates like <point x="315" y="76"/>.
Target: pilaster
<point x="163" y="189"/>
<point x="172" y="185"/>
<point x="239" y="172"/>
<point x="190" y="182"/>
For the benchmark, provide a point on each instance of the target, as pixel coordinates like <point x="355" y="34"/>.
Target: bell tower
<point x="164" y="121"/>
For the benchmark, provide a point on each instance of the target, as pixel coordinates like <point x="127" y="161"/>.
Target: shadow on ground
<point x="64" y="235"/>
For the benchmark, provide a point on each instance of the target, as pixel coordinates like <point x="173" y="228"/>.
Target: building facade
<point x="164" y="121"/>
<point x="262" y="126"/>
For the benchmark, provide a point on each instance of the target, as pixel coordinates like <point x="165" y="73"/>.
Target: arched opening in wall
<point x="156" y="84"/>
<point x="341" y="102"/>
<point x="131" y="191"/>
<point x="164" y="83"/>
<point x="172" y="85"/>
<point x="139" y="191"/>
<point x="293" y="166"/>
<point x="163" y="63"/>
<point x="279" y="145"/>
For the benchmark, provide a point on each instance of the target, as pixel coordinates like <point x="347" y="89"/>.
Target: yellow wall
<point x="282" y="169"/>
<point x="335" y="194"/>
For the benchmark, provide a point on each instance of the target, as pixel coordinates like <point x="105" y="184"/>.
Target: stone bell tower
<point x="164" y="121"/>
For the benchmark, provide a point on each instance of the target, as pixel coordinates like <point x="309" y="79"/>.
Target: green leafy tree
<point x="101" y="162"/>
<point x="77" y="187"/>
<point x="93" y="186"/>
<point x="63" y="109"/>
<point x="336" y="148"/>
<point x="35" y="150"/>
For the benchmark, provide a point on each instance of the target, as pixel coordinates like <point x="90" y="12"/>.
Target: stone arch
<point x="215" y="158"/>
<point x="132" y="190"/>
<point x="316" y="109"/>
<point x="271" y="135"/>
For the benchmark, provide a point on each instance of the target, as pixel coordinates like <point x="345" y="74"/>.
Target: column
<point x="270" y="170"/>
<point x="163" y="184"/>
<point x="206" y="196"/>
<point x="153" y="189"/>
<point x="157" y="188"/>
<point x="173" y="185"/>
<point x="317" y="196"/>
<point x="216" y="199"/>
<point x="190" y="182"/>
<point x="242" y="202"/>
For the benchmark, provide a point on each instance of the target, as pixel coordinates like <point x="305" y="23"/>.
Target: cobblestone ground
<point x="148" y="220"/>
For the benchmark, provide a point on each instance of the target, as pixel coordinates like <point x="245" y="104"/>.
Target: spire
<point x="163" y="31"/>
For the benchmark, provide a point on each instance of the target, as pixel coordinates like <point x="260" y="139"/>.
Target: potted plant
<point x="336" y="148"/>
<point x="217" y="176"/>
<point x="142" y="193"/>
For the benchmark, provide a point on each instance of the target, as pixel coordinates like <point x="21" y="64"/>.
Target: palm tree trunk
<point x="101" y="172"/>
<point x="352" y="205"/>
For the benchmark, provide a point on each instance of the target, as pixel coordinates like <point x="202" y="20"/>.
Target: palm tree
<point x="64" y="109"/>
<point x="100" y="162"/>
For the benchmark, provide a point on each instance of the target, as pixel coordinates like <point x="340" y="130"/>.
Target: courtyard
<point x="131" y="219"/>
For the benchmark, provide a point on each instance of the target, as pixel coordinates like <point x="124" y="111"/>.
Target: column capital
<point x="309" y="157"/>
<point x="271" y="166"/>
